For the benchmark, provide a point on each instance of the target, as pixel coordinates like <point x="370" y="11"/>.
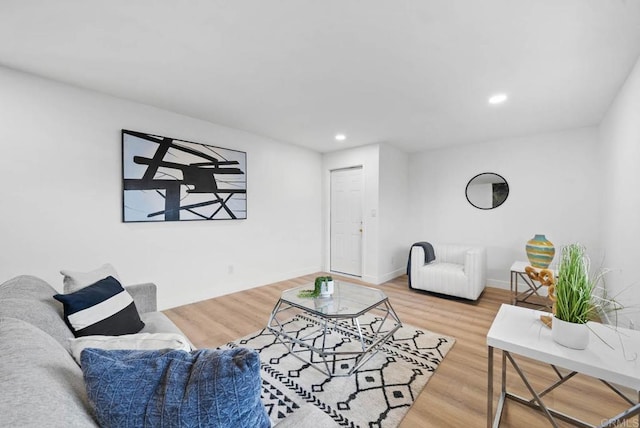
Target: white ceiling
<point x="413" y="73"/>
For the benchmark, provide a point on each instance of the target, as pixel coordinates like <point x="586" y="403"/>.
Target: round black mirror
<point x="487" y="191"/>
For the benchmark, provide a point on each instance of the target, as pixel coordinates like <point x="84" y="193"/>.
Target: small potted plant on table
<point x="323" y="287"/>
<point x="574" y="298"/>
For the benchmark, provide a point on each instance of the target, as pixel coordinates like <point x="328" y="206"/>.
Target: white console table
<point x="518" y="330"/>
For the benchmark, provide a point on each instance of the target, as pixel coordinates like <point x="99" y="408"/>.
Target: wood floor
<point x="456" y="395"/>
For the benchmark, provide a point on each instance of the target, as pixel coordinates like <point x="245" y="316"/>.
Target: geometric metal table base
<point x="367" y="344"/>
<point x="523" y="297"/>
<point x="537" y="403"/>
<point x="517" y="272"/>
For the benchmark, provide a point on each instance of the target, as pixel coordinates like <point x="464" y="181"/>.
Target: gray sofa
<point x="40" y="382"/>
<point x="41" y="385"/>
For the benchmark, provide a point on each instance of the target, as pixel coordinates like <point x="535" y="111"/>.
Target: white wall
<point x="393" y="213"/>
<point x="554" y="188"/>
<point x="620" y="202"/>
<point x="62" y="188"/>
<point x="61" y="198"/>
<point x="368" y="158"/>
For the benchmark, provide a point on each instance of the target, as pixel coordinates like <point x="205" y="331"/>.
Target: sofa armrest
<point x="417" y="256"/>
<point x="475" y="265"/>
<point x="145" y="296"/>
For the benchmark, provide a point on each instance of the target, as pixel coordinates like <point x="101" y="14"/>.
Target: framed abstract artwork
<point x="166" y="179"/>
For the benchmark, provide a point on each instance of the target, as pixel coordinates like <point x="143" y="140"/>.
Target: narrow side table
<point x="531" y="291"/>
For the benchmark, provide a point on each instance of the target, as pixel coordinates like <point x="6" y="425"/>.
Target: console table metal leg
<point x="615" y="421"/>
<point x="494" y="421"/>
<point x="503" y="391"/>
<point x="490" y="387"/>
<point x="531" y="390"/>
<point x="504" y="374"/>
<point x="620" y="394"/>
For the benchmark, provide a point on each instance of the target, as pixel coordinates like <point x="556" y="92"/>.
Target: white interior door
<point x="346" y="221"/>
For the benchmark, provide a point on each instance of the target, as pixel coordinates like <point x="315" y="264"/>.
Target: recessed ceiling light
<point x="341" y="137"/>
<point x="497" y="99"/>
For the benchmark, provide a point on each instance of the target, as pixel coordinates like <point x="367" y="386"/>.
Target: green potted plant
<point x="326" y="287"/>
<point x="574" y="298"/>
<point x="323" y="286"/>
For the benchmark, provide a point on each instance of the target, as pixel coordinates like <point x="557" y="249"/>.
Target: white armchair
<point x="458" y="270"/>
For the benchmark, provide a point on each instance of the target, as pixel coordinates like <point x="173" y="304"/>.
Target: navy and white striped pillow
<point x="103" y="308"/>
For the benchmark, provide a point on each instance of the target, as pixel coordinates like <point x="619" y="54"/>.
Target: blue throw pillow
<point x="169" y="388"/>
<point x="103" y="308"/>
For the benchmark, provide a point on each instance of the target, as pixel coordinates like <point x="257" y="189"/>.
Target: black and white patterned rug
<point x="379" y="394"/>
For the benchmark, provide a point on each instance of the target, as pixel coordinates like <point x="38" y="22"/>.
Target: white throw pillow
<point x="138" y="341"/>
<point x="74" y="281"/>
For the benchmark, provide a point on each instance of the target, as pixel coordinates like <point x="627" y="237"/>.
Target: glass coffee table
<point x="327" y="332"/>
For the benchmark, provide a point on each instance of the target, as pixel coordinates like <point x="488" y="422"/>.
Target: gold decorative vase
<point x="540" y="251"/>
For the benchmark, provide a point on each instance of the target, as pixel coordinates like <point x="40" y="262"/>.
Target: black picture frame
<point x="169" y="179"/>
<point x="498" y="190"/>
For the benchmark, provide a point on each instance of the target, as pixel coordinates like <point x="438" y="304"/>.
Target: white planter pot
<point x="326" y="289"/>
<point x="569" y="334"/>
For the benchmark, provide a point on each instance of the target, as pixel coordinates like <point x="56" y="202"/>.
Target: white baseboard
<point x="369" y="279"/>
<point x="383" y="278"/>
<point x="506" y="285"/>
<point x="391" y="275"/>
<point x="497" y="283"/>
